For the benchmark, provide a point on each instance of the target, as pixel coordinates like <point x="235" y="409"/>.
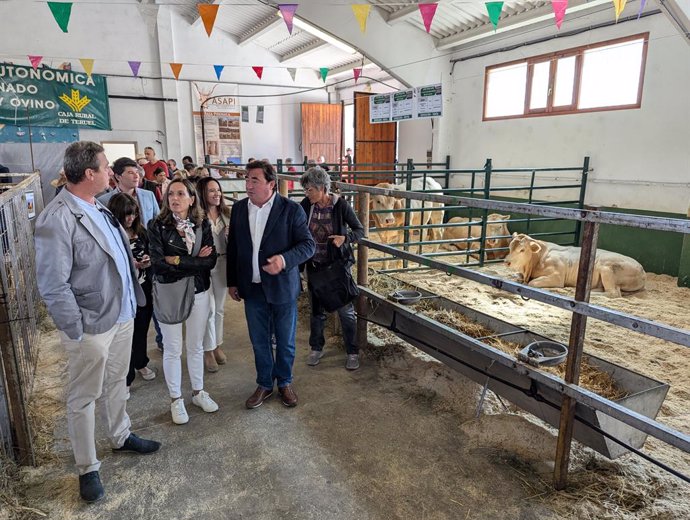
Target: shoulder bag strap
<point x="197" y="240"/>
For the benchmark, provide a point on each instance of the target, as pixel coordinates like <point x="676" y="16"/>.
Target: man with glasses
<point x="266" y="277"/>
<point x="127" y="177"/>
<point x="85" y="273"/>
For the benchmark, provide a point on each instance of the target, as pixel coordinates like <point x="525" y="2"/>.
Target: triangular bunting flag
<point x="61" y="12"/>
<point x="292" y="71"/>
<point x="494" y="10"/>
<point x="259" y="71"/>
<point x="35" y="61"/>
<point x="176" y="68"/>
<point x="208" y="13"/>
<point x="428" y="11"/>
<point x="219" y="70"/>
<point x="642" y="4"/>
<point x="559" y="7"/>
<point x="87" y="63"/>
<point x="357" y="72"/>
<point x="361" y="13"/>
<point x="619" y="5"/>
<point x="324" y="73"/>
<point x="134" y="65"/>
<point x="287" y="11"/>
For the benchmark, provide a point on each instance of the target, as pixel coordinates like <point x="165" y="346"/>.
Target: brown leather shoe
<point x="288" y="396"/>
<point x="221" y="359"/>
<point x="210" y="362"/>
<point x="258" y="397"/>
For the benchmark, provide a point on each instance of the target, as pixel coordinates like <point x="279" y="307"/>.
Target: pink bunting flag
<point x="287" y="11"/>
<point x="35" y="61"/>
<point x="642" y="4"/>
<point x="259" y="71"/>
<point x="357" y="72"/>
<point x="134" y="65"/>
<point x="428" y="11"/>
<point x="559" y="7"/>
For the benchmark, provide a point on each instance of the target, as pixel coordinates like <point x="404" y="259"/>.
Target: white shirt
<point x="258" y="216"/>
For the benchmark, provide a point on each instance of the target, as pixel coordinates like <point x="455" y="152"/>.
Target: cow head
<point x="385" y="203"/>
<point x="496" y="230"/>
<point x="524" y="254"/>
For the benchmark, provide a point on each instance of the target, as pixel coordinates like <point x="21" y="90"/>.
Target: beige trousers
<point x="98" y="366"/>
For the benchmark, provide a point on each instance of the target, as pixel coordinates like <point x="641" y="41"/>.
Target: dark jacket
<point x="286" y="234"/>
<point x="345" y="223"/>
<point x="164" y="240"/>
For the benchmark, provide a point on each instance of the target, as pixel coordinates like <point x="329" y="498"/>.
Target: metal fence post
<point x="485" y="213"/>
<point x="575" y="348"/>
<point x="581" y="198"/>
<point x="362" y="269"/>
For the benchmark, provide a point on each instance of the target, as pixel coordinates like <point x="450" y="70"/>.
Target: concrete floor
<point x="360" y="445"/>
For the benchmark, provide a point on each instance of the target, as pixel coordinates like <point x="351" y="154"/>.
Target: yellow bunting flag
<point x="361" y="13"/>
<point x="176" y="68"/>
<point x="619" y="5"/>
<point x="87" y="63"/>
<point x="208" y="13"/>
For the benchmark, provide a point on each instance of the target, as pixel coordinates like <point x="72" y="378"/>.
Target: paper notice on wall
<point x="380" y="108"/>
<point x="402" y="106"/>
<point x="219" y="137"/>
<point x="245" y="114"/>
<point x="429" y="101"/>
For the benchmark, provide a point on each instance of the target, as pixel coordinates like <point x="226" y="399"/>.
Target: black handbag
<point x="333" y="285"/>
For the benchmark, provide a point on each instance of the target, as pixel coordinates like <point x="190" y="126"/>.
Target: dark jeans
<point x="264" y="319"/>
<point x="159" y="334"/>
<point x="348" y="323"/>
<point x="139" y="359"/>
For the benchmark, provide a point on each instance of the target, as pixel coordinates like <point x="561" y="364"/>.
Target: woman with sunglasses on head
<point x="175" y="255"/>
<point x="126" y="211"/>
<point x="218" y="214"/>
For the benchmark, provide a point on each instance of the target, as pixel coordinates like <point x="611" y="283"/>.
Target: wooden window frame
<point x="553" y="58"/>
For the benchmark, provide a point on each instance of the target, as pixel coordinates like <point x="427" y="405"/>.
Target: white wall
<point x="641" y="158"/>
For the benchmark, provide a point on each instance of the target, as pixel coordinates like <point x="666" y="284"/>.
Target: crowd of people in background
<point x="114" y="238"/>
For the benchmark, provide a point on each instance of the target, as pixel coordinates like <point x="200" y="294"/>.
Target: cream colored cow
<point x="543" y="264"/>
<point x="393" y="217"/>
<point x="494" y="231"/>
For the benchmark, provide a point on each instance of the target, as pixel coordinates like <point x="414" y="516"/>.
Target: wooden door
<point x="322" y="131"/>
<point x="374" y="143"/>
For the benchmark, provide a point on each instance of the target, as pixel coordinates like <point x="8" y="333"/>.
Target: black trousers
<point x="142" y="320"/>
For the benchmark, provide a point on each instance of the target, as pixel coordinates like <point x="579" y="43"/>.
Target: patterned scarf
<point x="187" y="228"/>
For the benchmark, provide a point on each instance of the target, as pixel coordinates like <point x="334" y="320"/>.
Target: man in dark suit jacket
<point x="267" y="241"/>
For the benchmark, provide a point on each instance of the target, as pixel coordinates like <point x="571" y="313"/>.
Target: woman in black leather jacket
<point x="335" y="227"/>
<point x="172" y="235"/>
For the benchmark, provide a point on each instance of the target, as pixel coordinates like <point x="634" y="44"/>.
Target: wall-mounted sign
<point x="429" y="101"/>
<point x="380" y="108"/>
<point x="403" y="105"/>
<point x="53" y="98"/>
<point x="221" y="129"/>
<point x="30" y="203"/>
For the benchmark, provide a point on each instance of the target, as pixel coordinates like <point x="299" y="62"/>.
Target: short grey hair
<point x="317" y="177"/>
<point x="79" y="157"/>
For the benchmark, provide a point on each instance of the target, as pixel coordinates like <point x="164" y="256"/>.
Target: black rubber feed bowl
<point x="405" y="297"/>
<point x="543" y="353"/>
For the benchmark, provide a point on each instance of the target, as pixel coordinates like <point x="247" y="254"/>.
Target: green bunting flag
<point x="494" y="10"/>
<point x="61" y="12"/>
<point x="324" y="73"/>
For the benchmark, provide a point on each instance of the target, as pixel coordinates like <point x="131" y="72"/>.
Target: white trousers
<point x="219" y="291"/>
<point x="195" y="327"/>
<point x="98" y="366"/>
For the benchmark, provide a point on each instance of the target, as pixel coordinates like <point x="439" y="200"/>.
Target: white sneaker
<point x="178" y="411"/>
<point x="204" y="401"/>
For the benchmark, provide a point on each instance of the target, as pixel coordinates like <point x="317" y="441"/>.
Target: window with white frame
<point x="603" y="76"/>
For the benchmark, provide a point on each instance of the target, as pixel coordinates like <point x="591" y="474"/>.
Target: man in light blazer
<point x="267" y="241"/>
<point x="86" y="276"/>
<point x="127" y="179"/>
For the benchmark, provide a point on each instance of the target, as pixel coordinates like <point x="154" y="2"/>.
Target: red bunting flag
<point x="428" y="11"/>
<point x="559" y="7"/>
<point x="35" y="61"/>
<point x="287" y="11"/>
<point x="176" y="69"/>
<point x="61" y="12"/>
<point x="357" y="72"/>
<point x="259" y="71"/>
<point x="208" y="13"/>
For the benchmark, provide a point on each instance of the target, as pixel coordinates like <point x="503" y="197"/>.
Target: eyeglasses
<point x="110" y="217"/>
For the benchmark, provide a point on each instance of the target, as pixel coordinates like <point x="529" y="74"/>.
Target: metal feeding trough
<point x="508" y="377"/>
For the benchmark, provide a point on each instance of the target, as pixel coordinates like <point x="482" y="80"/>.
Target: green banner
<point x="53" y="98"/>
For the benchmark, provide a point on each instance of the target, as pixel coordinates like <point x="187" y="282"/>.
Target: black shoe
<point x="90" y="487"/>
<point x="134" y="444"/>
